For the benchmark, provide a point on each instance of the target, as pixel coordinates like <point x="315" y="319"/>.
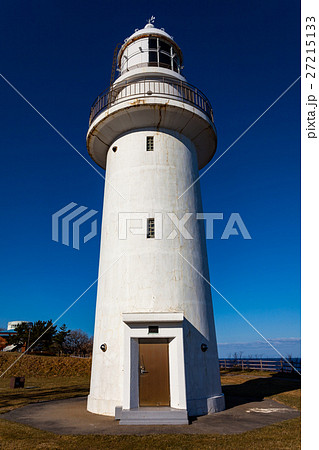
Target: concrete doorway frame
<point x="170" y="326"/>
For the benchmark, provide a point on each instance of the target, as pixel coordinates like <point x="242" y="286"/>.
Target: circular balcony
<point x="159" y="102"/>
<point x="164" y="88"/>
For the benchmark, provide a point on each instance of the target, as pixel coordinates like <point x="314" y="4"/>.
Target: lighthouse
<point x="155" y="357"/>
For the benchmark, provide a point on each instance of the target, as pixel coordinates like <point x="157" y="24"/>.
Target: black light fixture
<point x="204" y="348"/>
<point x="103" y="347"/>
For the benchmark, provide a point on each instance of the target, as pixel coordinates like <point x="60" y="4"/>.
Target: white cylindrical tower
<point x="154" y="338"/>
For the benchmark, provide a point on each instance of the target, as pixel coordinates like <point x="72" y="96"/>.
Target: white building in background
<point x="13" y="325"/>
<point x="154" y="339"/>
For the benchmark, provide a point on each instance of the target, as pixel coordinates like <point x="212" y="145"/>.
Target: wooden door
<point x="153" y="372"/>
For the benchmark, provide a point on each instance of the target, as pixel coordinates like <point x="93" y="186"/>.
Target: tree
<point x="42" y="332"/>
<point x="77" y="342"/>
<point x="60" y="337"/>
<point x="88" y="349"/>
<point x="21" y="335"/>
<point x="40" y="335"/>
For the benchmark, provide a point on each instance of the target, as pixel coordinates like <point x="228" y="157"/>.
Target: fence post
<point x="261" y="364"/>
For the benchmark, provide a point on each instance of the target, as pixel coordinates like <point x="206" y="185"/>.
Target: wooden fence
<point x="260" y="364"/>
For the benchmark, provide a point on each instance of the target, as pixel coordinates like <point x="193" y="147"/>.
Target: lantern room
<point x="150" y="47"/>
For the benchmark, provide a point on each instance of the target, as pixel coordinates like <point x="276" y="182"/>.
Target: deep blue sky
<point x="242" y="55"/>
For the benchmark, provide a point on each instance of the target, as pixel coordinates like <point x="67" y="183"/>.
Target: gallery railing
<point x="148" y="87"/>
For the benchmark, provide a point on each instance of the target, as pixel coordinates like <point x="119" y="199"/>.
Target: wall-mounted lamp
<point x="103" y="347"/>
<point x="204" y="348"/>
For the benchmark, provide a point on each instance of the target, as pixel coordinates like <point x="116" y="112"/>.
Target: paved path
<point x="71" y="417"/>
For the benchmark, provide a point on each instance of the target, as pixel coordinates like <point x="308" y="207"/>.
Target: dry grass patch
<point x="47" y="378"/>
<point x="39" y="389"/>
<point x="284" y="435"/>
<point x="44" y="366"/>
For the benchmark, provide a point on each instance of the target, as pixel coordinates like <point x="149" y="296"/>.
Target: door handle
<point x="142" y="370"/>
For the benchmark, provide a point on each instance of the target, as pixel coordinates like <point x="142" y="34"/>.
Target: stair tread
<point x="154" y="416"/>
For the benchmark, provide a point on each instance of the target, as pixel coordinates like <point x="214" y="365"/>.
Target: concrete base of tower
<point x="101" y="406"/>
<point x="216" y="404"/>
<point x="195" y="407"/>
<point x="204" y="406"/>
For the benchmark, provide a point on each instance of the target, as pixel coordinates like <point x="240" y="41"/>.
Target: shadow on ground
<point x="257" y="389"/>
<point x="20" y="397"/>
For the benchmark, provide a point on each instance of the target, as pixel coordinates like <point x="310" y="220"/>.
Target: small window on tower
<point x="153" y="329"/>
<point x="150" y="228"/>
<point x="149" y="143"/>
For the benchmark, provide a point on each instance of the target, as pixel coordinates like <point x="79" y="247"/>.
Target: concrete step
<point x="154" y="416"/>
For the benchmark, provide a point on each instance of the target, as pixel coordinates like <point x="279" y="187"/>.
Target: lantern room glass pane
<point x="152" y="43"/>
<point x="153" y="56"/>
<point x="162" y="54"/>
<point x="164" y="46"/>
<point x="165" y="60"/>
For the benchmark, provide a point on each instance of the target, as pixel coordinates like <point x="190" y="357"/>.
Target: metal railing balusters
<point x="160" y="87"/>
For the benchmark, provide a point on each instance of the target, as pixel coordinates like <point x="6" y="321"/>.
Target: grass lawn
<point x="284" y="435"/>
<point x="39" y="389"/>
